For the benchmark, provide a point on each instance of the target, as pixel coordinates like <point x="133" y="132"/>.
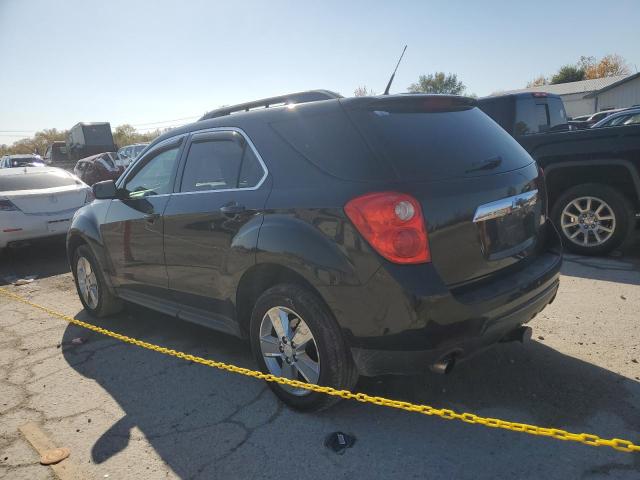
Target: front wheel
<point x="592" y="218"/>
<point x="96" y="298"/>
<point x="293" y="335"/>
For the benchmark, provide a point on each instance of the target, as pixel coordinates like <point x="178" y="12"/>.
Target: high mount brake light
<point x="393" y="225"/>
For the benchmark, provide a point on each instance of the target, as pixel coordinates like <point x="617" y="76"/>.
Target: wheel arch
<point x="259" y="278"/>
<point x="616" y="173"/>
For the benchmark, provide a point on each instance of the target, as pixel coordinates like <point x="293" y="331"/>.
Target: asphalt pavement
<point x="125" y="412"/>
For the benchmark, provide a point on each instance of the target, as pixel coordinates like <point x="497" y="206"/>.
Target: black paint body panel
<point x="191" y="259"/>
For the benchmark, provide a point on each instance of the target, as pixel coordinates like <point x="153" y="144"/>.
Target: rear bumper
<point x="21" y="227"/>
<point x="372" y="362"/>
<point x="405" y="318"/>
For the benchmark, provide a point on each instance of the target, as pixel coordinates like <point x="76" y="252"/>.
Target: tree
<point x="611" y="65"/>
<point x="538" y="82"/>
<point x="568" y="73"/>
<point x="438" y="83"/>
<point x="364" y="91"/>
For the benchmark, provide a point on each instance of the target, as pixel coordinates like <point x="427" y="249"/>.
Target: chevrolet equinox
<point x="341" y="236"/>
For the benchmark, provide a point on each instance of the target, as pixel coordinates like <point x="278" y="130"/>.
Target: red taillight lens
<point x="393" y="225"/>
<point x="7" y="205"/>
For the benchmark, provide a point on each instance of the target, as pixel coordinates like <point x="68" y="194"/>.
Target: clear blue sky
<point x="146" y="61"/>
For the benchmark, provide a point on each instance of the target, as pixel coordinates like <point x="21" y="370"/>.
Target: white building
<point x="590" y="96"/>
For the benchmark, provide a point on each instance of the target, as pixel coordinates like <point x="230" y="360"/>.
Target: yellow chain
<point x="585" y="438"/>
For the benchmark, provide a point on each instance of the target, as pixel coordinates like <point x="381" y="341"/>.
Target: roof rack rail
<point x="292" y="98"/>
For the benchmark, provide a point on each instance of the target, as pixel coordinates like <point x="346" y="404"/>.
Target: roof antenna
<point x="386" y="90"/>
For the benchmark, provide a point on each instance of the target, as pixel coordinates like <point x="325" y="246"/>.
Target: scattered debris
<point x="339" y="442"/>
<point x="634" y="360"/>
<point x="78" y="341"/>
<point x="623" y="297"/>
<point x="25" y="281"/>
<point x="540" y="337"/>
<point x="56" y="455"/>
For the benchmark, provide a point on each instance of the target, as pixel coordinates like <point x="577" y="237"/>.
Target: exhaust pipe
<point x="521" y="334"/>
<point x="443" y="366"/>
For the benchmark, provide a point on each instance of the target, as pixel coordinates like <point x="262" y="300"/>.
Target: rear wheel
<point x="592" y="218"/>
<point x="96" y="298"/>
<point x="293" y="335"/>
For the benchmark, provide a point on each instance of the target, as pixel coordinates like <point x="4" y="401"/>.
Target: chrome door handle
<point x="232" y="208"/>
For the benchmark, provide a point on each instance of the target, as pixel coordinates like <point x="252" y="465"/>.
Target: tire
<point x="616" y="206"/>
<point x="336" y="367"/>
<point x="103" y="302"/>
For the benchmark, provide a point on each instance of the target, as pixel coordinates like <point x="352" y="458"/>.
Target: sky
<point x="164" y="63"/>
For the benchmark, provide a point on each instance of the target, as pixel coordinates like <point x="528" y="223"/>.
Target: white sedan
<point x="38" y="202"/>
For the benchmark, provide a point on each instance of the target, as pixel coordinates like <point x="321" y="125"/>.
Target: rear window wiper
<point x="489" y="164"/>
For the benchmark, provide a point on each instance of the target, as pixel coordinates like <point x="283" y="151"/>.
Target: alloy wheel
<point x="87" y="282"/>
<point x="289" y="348"/>
<point x="588" y="221"/>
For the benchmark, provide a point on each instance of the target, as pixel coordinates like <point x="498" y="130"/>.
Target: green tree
<point x="438" y="82"/>
<point x="568" y="73"/>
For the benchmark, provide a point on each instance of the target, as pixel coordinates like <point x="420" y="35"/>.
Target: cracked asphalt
<point x="126" y="412"/>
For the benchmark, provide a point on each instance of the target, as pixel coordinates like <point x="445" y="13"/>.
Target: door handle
<point x="151" y="217"/>
<point x="232" y="208"/>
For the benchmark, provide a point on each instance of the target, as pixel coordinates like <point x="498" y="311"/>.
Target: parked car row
<point x="597" y="120"/>
<point x="342" y="236"/>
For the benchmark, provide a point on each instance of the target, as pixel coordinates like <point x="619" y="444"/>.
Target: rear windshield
<point x="438" y="145"/>
<point x="25" y="161"/>
<point x="539" y="115"/>
<point x="97" y="135"/>
<point x="34" y="181"/>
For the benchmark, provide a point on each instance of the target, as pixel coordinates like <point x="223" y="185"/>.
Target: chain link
<point x="584" y="438"/>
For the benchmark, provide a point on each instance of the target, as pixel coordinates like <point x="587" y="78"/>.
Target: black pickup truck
<point x="592" y="175"/>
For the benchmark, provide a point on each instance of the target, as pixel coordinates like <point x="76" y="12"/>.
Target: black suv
<point x="342" y="236"/>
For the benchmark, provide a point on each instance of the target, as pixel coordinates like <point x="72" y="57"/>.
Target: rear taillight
<point x="7" y="206"/>
<point x="393" y="225"/>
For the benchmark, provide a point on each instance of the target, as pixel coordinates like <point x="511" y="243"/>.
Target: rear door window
<point x="220" y="161"/>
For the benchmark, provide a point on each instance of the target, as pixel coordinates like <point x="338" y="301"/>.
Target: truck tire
<point x="294" y="335"/>
<point x="592" y="218"/>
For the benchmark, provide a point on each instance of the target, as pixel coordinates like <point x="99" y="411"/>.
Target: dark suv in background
<point x="342" y="236"/>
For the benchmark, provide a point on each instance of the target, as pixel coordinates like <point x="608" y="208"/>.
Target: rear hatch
<point x="47" y="192"/>
<point x="477" y="186"/>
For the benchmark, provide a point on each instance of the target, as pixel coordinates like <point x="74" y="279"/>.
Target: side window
<point x="220" y="162"/>
<point x="155" y="176"/>
<point x="633" y="120"/>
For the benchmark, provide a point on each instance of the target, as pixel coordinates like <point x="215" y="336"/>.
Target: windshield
<point x="25" y="161"/>
<point x="36" y="181"/>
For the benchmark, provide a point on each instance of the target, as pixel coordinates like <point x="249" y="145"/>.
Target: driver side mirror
<point x="106" y="190"/>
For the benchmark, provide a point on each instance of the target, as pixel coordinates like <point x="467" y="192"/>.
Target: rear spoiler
<point x="412" y="103"/>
